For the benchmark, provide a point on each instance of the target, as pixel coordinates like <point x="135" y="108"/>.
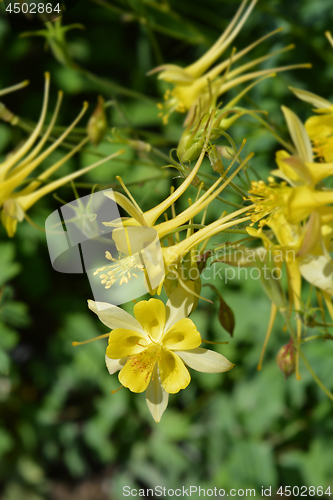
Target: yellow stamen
<point x="121" y="270"/>
<point x="145" y="360"/>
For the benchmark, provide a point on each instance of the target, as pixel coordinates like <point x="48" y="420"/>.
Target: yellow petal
<point x="114" y="365"/>
<point x="320" y="171"/>
<point x="179" y="305"/>
<point x="305" y="200"/>
<point x="298" y="134"/>
<point x="131" y="240"/>
<point x="182" y="335"/>
<point x="11" y="213"/>
<point x="156" y="397"/>
<point x="324" y="148"/>
<point x="302" y="174"/>
<point x="9" y="223"/>
<point x="151" y="315"/>
<point x="314" y="99"/>
<point x="312" y="234"/>
<point x="318" y="270"/>
<point x="287" y="170"/>
<point x="174" y="374"/>
<point x="124" y="343"/>
<point x="319" y="127"/>
<point x="174" y="74"/>
<point x="135" y="378"/>
<point x="205" y="360"/>
<point x="114" y="317"/>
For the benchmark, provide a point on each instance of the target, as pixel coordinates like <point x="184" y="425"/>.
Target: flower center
<point x="268" y="199"/>
<point x="121" y="270"/>
<point x="144" y="362"/>
<point x="324" y="148"/>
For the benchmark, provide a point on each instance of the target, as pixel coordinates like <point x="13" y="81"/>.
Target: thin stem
<point x="314" y="337"/>
<point x="302" y="355"/>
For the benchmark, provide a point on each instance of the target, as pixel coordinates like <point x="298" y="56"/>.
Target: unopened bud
<point x="140" y="146"/>
<point x="97" y="125"/>
<point x="286" y="359"/>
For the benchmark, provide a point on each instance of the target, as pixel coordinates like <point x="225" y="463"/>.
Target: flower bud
<point x="97" y="125"/>
<point x="140" y="146"/>
<point x="286" y="359"/>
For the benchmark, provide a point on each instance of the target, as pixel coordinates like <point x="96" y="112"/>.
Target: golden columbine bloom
<point x="17" y="191"/>
<point x="153" y="349"/>
<point x="196" y="83"/>
<point x="299" y="214"/>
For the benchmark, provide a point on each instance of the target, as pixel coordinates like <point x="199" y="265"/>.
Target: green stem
<point x="305" y="361"/>
<point x="288" y="146"/>
<point x="112" y="87"/>
<point x="315" y="377"/>
<point x="314" y="337"/>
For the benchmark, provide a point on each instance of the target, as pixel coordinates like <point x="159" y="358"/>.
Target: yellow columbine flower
<point x="153" y="349"/>
<point x="301" y="172"/>
<point x="196" y="83"/>
<point x="300" y="216"/>
<point x="17" y="192"/>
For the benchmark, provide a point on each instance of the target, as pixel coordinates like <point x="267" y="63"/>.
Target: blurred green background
<point x="63" y="435"/>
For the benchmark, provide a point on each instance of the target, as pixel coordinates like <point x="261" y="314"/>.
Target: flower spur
<point x="18" y="192"/>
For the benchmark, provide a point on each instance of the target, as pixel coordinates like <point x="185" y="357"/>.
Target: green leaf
<point x="8" y="268"/>
<point x="225" y="313"/>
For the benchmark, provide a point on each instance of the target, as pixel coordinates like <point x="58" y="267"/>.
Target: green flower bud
<point x="193" y="137"/>
<point x="286" y="359"/>
<point x="97" y="125"/>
